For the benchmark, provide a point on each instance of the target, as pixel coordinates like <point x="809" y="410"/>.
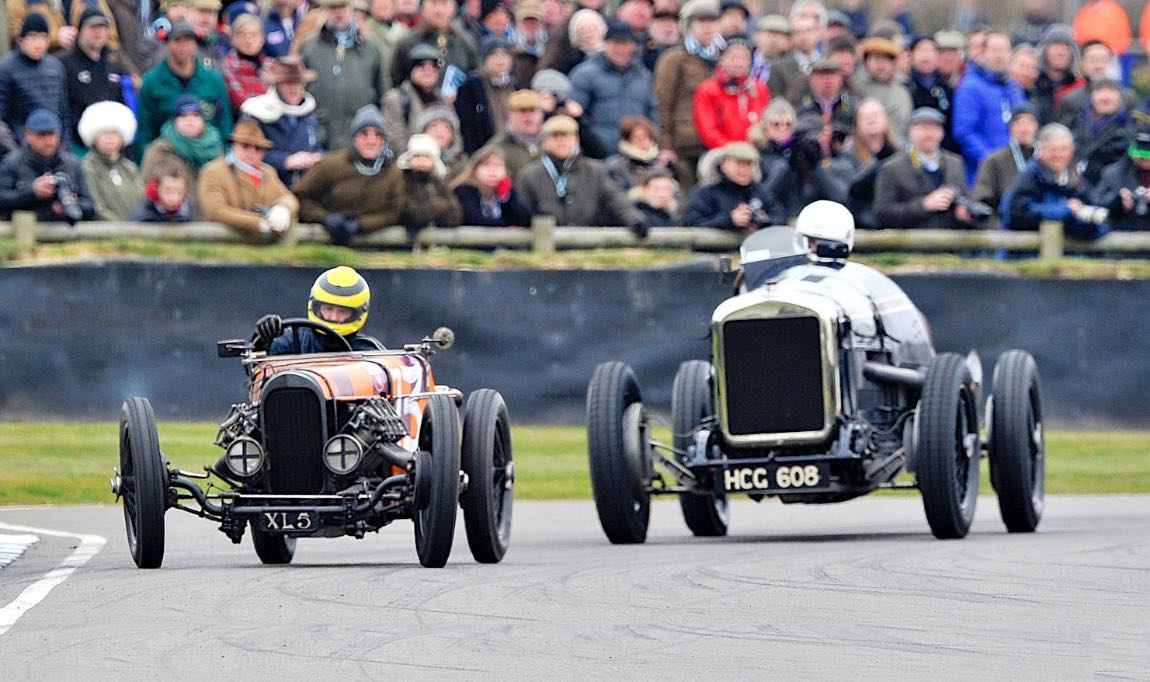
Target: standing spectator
<point x="486" y="194"/>
<point x="664" y="30"/>
<point x="775" y="139"/>
<point x="31" y="79"/>
<point x="655" y="199"/>
<point x="440" y="122"/>
<point x="733" y="17"/>
<point x="1096" y="61"/>
<point x="900" y="14"/>
<point x="572" y="189"/>
<point x="1125" y="186"/>
<point x="879" y="80"/>
<point x="928" y="87"/>
<point x="735" y="200"/>
<point x="983" y="104"/>
<point x="482" y="99"/>
<point x="243" y="192"/>
<point x="520" y="144"/>
<point x="1057" y="66"/>
<point x="205" y="18"/>
<point x="245" y="66"/>
<point x="403" y="104"/>
<point x="1102" y="130"/>
<point x="951" y="60"/>
<point x="920" y="188"/>
<point x="582" y="37"/>
<point x="456" y="48"/>
<point x="166" y="199"/>
<point x="426" y="199"/>
<point x="679" y="73"/>
<point x="357" y="190"/>
<point x="1023" y="69"/>
<point x="286" y="114"/>
<point x="968" y="15"/>
<point x="554" y="91"/>
<point x="729" y="103"/>
<point x="280" y="23"/>
<point x="849" y="178"/>
<point x="1105" y="21"/>
<point x="806" y="39"/>
<point x="1049" y="188"/>
<point x="94" y="72"/>
<point x="529" y="39"/>
<point x="494" y="20"/>
<point x="773" y="37"/>
<point x="29" y="176"/>
<point x="999" y="170"/>
<point x="1036" y="20"/>
<point x="638" y="15"/>
<point x="856" y="12"/>
<point x="114" y="180"/>
<point x="387" y="32"/>
<point x="350" y="72"/>
<point x="828" y="100"/>
<point x="186" y="142"/>
<point x="612" y="85"/>
<point x="638" y="152"/>
<point x="180" y="74"/>
<point x="61" y="34"/>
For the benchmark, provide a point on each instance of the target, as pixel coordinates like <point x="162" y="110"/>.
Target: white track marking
<point x="90" y="546"/>
<point x="12" y="546"/>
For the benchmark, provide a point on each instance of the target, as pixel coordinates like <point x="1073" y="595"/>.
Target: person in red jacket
<point x="729" y="103"/>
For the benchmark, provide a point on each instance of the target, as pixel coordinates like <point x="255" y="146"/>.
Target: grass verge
<point x="71" y="463"/>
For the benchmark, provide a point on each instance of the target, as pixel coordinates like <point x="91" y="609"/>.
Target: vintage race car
<point x="332" y="444"/>
<point x="823" y="385"/>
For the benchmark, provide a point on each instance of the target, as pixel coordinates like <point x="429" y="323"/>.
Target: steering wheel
<point x="294" y="323"/>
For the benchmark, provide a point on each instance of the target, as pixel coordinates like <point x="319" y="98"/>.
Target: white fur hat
<point x="104" y="116"/>
<point x="423" y="145"/>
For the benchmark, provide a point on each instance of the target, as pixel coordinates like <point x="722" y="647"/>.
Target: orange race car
<point x="332" y="444"/>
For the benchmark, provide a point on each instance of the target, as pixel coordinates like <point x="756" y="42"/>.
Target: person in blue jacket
<point x="983" y="103"/>
<point x="339" y="300"/>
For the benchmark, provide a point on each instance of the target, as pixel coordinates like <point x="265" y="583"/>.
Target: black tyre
<point x="691" y="402"/>
<point x="948" y="447"/>
<point x="621" y="498"/>
<point x="143" y="482"/>
<point x="1017" y="442"/>
<point x="435" y="524"/>
<point x="490" y="470"/>
<point x="273" y="548"/>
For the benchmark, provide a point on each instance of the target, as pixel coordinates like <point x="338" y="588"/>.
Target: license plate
<point x="288" y="521"/>
<point x="776" y="477"/>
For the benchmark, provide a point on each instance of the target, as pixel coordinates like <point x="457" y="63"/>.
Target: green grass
<point x="71" y="463"/>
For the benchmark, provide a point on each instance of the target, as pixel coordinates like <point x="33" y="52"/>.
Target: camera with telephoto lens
<point x="979" y="211"/>
<point x="66" y="195"/>
<point x="759" y="217"/>
<point x="1141" y="195"/>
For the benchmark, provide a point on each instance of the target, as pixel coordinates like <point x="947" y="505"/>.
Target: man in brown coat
<point x="678" y="73"/>
<point x="243" y="192"/>
<point x="921" y="188"/>
<point x="357" y="189"/>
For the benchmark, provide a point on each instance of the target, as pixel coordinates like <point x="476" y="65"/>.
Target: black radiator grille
<point x="774" y="375"/>
<point x="293" y="431"/>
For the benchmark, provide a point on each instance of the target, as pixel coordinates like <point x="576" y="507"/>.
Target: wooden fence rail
<point x="545" y="237"/>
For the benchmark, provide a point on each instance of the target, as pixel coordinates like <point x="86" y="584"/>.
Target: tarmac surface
<point x="855" y="590"/>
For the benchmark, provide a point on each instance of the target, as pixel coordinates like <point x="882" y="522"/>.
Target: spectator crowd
<point x="361" y="114"/>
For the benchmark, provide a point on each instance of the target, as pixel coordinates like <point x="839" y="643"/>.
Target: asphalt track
<point x="856" y="590"/>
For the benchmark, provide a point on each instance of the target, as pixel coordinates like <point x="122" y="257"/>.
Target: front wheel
<point x="143" y="483"/>
<point x="1017" y="442"/>
<point x="435" y="522"/>
<point x="616" y="437"/>
<point x="490" y="472"/>
<point x="273" y="548"/>
<point x="705" y="514"/>
<point x="948" y="448"/>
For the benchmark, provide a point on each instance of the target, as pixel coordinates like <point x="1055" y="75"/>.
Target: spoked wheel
<point x="143" y="482"/>
<point x="490" y="472"/>
<point x="1017" y="442"/>
<point x="435" y="523"/>
<point x="619" y="452"/>
<point x="273" y="548"/>
<point x="948" y="447"/>
<point x="706" y="515"/>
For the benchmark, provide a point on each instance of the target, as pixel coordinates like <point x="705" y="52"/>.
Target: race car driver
<point x="826" y="229"/>
<point x="339" y="300"/>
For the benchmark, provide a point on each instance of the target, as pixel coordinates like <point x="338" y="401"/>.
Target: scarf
<point x="375" y="166"/>
<point x="196" y="151"/>
<point x="269" y="108"/>
<point x="347" y="37"/>
<point x="638" y="155"/>
<point x="560" y="175"/>
<point x="255" y="175"/>
<point x="931" y="163"/>
<point x="522" y="46"/>
<point x="709" y="53"/>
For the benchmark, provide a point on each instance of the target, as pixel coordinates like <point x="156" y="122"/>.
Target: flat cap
<point x="880" y="46"/>
<point x="825" y="64"/>
<point x="700" y="9"/>
<point x="558" y="125"/>
<point x="741" y="151"/>
<point x="523" y="99"/>
<point x="950" y="40"/>
<point x="775" y="23"/>
<point x="927" y="115"/>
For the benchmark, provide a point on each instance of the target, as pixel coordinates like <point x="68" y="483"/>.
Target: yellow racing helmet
<point x="343" y="287"/>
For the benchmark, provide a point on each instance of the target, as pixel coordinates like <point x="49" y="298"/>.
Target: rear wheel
<point x="706" y="514"/>
<point x="435" y="523"/>
<point x="948" y="447"/>
<point x="143" y="482"/>
<point x="616" y="437"/>
<point x="490" y="472"/>
<point x="1017" y="442"/>
<point x="273" y="548"/>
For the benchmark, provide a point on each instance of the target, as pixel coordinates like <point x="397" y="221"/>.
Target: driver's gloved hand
<point x="267" y="329"/>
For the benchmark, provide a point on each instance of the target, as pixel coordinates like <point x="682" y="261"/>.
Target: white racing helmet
<point x="826" y="221"/>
